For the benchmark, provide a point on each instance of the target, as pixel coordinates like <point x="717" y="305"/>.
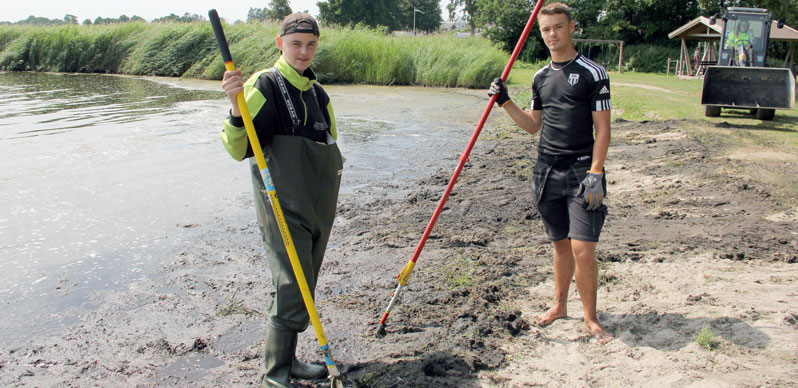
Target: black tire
<point x="765" y="114"/>
<point x="711" y="111"/>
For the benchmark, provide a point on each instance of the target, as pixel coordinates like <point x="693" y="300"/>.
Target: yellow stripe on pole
<point x="406" y="271"/>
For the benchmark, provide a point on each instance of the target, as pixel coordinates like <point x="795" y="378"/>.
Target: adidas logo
<point x="604" y="90"/>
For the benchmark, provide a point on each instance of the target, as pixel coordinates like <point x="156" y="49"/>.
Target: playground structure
<point x="708" y="36"/>
<point x="588" y="42"/>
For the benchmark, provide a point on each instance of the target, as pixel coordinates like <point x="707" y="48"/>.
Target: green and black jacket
<point x="270" y="114"/>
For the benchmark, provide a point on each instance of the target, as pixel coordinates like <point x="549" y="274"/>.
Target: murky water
<point x="103" y="177"/>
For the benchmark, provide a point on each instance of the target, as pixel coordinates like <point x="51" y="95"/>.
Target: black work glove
<point x="499" y="88"/>
<point x="592" y="190"/>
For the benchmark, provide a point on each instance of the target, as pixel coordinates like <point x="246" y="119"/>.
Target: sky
<point x="230" y="10"/>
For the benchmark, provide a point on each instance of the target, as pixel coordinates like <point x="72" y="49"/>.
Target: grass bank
<point x="644" y="96"/>
<point x="346" y="55"/>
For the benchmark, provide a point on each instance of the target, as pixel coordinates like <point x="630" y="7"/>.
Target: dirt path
<point x="687" y="245"/>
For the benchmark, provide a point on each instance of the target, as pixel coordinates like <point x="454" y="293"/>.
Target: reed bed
<point x="345" y="55"/>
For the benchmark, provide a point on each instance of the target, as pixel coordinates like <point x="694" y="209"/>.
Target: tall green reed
<point x="352" y="54"/>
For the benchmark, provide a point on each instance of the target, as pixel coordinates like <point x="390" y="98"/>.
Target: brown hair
<point x="556" y="8"/>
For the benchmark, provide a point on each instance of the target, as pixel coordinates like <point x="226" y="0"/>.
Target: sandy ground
<point x="689" y="244"/>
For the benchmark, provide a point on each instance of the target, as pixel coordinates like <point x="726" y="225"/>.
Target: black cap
<point x="299" y="22"/>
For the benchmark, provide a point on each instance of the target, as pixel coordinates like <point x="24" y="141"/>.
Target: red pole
<point x="405" y="274"/>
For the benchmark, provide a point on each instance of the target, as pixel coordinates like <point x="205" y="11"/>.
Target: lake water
<point x="102" y="176"/>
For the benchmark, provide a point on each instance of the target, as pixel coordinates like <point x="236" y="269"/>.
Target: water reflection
<point x="61" y="102"/>
<point x="131" y="173"/>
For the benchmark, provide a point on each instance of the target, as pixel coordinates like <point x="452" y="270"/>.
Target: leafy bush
<point x="646" y="58"/>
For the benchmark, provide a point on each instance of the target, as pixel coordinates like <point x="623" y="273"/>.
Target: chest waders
<point x="299" y="164"/>
<point x="306" y="177"/>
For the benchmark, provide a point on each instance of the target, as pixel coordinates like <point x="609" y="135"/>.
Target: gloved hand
<point x="592" y="190"/>
<point x="498" y="87"/>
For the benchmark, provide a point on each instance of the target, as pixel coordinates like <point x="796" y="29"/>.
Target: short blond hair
<point x="557" y="8"/>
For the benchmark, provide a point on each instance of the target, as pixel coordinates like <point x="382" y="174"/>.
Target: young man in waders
<point x="571" y="99"/>
<point x="295" y="124"/>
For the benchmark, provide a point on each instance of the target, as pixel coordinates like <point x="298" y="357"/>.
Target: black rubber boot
<point x="277" y="357"/>
<point x="305" y="371"/>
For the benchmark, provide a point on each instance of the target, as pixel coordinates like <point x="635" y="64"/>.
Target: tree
<point x="392" y="14"/>
<point x="41" y="21"/>
<point x="256" y="15"/>
<point x="470" y="11"/>
<point x="371" y="13"/>
<point x="186" y="18"/>
<point x="70" y="19"/>
<point x="588" y="15"/>
<point x="87" y="22"/>
<point x="428" y="19"/>
<point x="647" y="21"/>
<point x="277" y="10"/>
<point x="503" y="21"/>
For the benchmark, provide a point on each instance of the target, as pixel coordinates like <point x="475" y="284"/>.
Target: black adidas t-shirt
<point x="569" y="93"/>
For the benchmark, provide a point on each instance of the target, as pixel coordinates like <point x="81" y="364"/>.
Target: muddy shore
<point x="687" y="245"/>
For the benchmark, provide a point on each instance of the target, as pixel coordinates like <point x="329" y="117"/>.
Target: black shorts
<point x="563" y="213"/>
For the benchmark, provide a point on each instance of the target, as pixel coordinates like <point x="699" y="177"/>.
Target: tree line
<point x="632" y="21"/>
<point x="73" y="20"/>
<point x="636" y="22"/>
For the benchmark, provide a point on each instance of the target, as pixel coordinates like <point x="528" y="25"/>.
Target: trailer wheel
<point x="765" y="114"/>
<point x="711" y="111"/>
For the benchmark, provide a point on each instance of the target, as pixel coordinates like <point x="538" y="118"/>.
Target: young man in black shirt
<point x="571" y="99"/>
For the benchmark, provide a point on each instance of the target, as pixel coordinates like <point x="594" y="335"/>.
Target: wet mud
<point x="464" y="318"/>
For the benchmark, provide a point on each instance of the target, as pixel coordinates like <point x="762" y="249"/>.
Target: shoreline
<point x="668" y="268"/>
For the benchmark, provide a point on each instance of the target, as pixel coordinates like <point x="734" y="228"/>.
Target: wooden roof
<point x="699" y="28"/>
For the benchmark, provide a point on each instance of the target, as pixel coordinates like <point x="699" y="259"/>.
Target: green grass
<point x="707" y="339"/>
<point x="459" y="271"/>
<point x="346" y="54"/>
<point x="644" y="96"/>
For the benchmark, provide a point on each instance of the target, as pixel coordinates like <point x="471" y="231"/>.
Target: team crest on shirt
<point x="573" y="78"/>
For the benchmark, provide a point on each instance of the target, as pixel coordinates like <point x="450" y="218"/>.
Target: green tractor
<point x="740" y="80"/>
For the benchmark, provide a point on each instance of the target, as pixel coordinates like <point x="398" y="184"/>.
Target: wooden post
<point x="617" y="43"/>
<point x="679" y="63"/>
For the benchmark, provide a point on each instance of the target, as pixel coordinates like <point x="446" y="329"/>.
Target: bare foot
<point x="598" y="332"/>
<point x="554" y="313"/>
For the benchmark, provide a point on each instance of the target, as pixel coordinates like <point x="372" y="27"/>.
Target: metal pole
<point x="414" y="19"/>
<point x="404" y="275"/>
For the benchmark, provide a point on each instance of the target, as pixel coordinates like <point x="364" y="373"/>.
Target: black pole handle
<point x="219" y="32"/>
